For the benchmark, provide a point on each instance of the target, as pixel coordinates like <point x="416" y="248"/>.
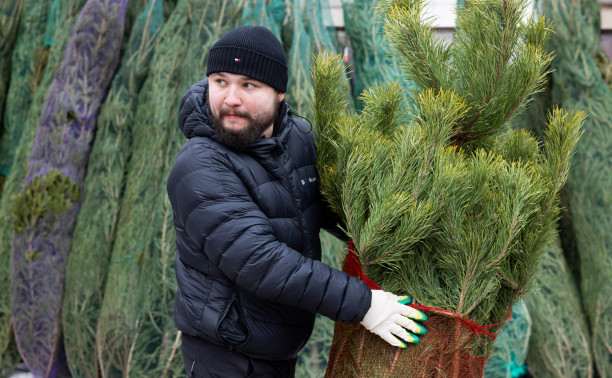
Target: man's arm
<point x="239" y="239"/>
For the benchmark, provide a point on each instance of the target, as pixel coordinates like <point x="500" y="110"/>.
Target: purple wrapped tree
<point x="46" y="208"/>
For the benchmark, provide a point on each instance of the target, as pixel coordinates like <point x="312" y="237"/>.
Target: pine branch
<point x="423" y="57"/>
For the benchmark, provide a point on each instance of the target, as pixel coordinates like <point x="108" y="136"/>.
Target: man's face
<point x="243" y="109"/>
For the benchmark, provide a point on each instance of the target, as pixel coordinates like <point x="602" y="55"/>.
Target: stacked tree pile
<point x="560" y="343"/>
<point x="451" y="208"/>
<point x="45" y="211"/>
<point x="102" y="190"/>
<point x="579" y="84"/>
<point x="45" y="64"/>
<point x="29" y="59"/>
<point x="10" y="12"/>
<point x="309" y="31"/>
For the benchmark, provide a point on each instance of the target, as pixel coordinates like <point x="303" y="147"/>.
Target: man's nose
<point x="232" y="96"/>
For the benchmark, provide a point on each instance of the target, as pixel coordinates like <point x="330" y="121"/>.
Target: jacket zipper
<point x="290" y="188"/>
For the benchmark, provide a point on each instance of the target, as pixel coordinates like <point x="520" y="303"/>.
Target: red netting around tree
<point x="445" y="351"/>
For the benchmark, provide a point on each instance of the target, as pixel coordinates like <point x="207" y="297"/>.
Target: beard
<point x="240" y="140"/>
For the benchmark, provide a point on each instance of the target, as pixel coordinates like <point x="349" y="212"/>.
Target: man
<point x="247" y="212"/>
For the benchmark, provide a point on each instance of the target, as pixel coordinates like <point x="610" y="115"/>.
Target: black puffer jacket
<point x="247" y="232"/>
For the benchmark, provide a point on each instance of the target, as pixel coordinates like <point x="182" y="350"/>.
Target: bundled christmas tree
<point x="10" y="11"/>
<point x="28" y="61"/>
<point x="95" y="228"/>
<point x="27" y="67"/>
<point x="45" y="211"/>
<point x="579" y="84"/>
<point x="45" y="65"/>
<point x="450" y="207"/>
<point x="560" y="344"/>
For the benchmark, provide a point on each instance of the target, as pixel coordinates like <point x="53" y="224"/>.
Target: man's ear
<point x="280" y="96"/>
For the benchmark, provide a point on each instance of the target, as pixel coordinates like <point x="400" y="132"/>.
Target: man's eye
<point x="249" y="85"/>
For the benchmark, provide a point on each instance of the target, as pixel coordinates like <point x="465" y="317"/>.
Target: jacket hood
<point x="195" y="119"/>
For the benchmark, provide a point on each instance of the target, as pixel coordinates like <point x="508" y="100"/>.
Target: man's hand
<point x="389" y="317"/>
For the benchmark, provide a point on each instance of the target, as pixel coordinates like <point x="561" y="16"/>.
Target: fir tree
<point x="444" y="202"/>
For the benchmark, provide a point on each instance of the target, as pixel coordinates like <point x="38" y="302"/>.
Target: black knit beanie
<point x="252" y="51"/>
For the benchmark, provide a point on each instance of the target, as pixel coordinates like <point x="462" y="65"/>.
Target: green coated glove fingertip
<point x="422" y="330"/>
<point x="419" y="315"/>
<point x="405" y="300"/>
<point x="415" y="339"/>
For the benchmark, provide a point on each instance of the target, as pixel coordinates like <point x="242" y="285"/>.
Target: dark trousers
<point x="203" y="359"/>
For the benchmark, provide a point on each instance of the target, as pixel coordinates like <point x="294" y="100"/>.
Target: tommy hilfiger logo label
<point x="237" y="60"/>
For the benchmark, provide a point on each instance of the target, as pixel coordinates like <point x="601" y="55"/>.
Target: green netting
<point x="268" y="13"/>
<point x="578" y="84"/>
<point x="560" y="341"/>
<point x="53" y="23"/>
<point x="136" y="333"/>
<point x="132" y="12"/>
<point x="169" y="6"/>
<point x="306" y="33"/>
<point x="94" y="233"/>
<point x="299" y="89"/>
<point x="511" y="346"/>
<point x="28" y="63"/>
<point x="46" y="209"/>
<point x="373" y="61"/>
<point x="66" y="11"/>
<point x="10" y="11"/>
<point x="124" y="316"/>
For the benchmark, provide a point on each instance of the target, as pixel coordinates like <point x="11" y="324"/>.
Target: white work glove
<point x="389" y="317"/>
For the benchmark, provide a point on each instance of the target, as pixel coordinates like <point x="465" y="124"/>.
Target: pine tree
<point x="443" y="202"/>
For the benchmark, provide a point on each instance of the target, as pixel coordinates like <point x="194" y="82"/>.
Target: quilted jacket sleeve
<point x="219" y="215"/>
